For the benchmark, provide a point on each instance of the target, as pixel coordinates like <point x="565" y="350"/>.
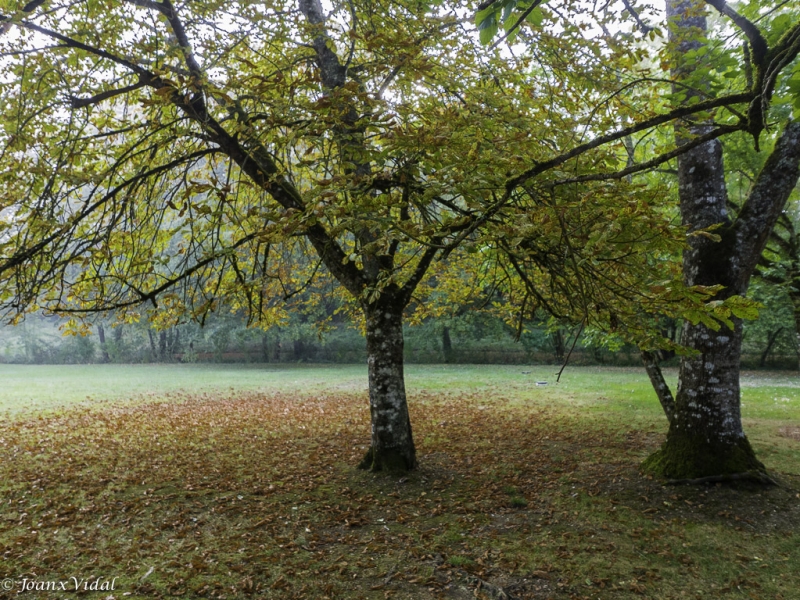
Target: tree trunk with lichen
<point x="392" y="445"/>
<point x="705" y="437"/>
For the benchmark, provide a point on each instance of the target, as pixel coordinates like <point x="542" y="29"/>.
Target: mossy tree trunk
<point x="392" y="444"/>
<point x="705" y="437"/>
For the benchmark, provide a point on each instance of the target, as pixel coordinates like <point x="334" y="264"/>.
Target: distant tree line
<point x="470" y="338"/>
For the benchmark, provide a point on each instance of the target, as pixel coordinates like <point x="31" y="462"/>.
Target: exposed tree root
<point x="494" y="591"/>
<point x="753" y="476"/>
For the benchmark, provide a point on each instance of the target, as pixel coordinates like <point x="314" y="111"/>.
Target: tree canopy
<point x="184" y="154"/>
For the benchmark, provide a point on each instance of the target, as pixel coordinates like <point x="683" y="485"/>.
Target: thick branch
<point x="331" y="70"/>
<point x="683" y="111"/>
<point x="766" y="201"/>
<point x="76" y="102"/>
<point x="654" y="162"/>
<point x="757" y="42"/>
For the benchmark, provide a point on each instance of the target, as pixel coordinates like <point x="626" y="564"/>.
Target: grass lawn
<point x="217" y="481"/>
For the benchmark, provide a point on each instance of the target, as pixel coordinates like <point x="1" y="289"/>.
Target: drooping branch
<point x="25" y="254"/>
<point x="69" y="42"/>
<point x="152" y="294"/>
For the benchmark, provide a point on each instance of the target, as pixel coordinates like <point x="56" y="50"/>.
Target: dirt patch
<point x="790" y="432"/>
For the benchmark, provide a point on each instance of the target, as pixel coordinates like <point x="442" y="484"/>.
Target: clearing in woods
<point x="214" y="481"/>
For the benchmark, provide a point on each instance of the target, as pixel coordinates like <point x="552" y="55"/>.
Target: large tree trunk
<point x="705" y="437"/>
<point x="392" y="446"/>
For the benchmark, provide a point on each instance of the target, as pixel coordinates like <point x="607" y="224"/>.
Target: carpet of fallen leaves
<point x="256" y="496"/>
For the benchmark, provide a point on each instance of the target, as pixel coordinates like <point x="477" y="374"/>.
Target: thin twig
<point x="566" y="360"/>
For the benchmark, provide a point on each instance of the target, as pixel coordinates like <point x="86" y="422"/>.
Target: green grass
<point x="765" y="395"/>
<point x="239" y="482"/>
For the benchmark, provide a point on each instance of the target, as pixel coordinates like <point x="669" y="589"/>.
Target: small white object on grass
<point x="541" y="383"/>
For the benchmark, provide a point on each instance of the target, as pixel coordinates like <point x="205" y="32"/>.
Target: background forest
<point x="326" y="336"/>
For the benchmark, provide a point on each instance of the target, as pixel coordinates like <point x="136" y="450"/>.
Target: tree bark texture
<point x="705" y="437"/>
<point x="392" y="448"/>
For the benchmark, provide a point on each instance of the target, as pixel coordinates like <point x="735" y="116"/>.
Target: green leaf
<point x="488" y="29"/>
<point x="484" y="14"/>
<point x="536" y="17"/>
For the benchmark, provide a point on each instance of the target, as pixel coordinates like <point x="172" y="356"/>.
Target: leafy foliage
<point x="194" y="155"/>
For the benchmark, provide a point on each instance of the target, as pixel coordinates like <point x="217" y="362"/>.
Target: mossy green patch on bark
<point x="691" y="456"/>
<point x="391" y="461"/>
